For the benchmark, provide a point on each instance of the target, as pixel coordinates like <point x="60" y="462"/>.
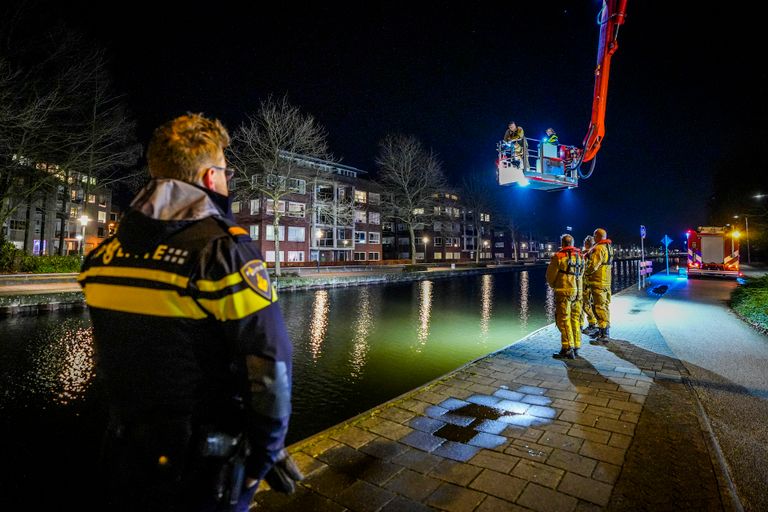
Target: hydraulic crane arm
<point x="610" y="18"/>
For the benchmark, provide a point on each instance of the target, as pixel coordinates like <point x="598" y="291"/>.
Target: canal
<point x="354" y="348"/>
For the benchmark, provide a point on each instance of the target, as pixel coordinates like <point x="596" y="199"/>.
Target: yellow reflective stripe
<point x="159" y="276"/>
<point x="237" y="230"/>
<point x="213" y="286"/>
<point x="235" y="306"/>
<point x="141" y="301"/>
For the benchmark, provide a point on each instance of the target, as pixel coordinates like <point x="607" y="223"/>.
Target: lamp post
<point x="746" y="227"/>
<point x="83" y="222"/>
<point x="425" y="239"/>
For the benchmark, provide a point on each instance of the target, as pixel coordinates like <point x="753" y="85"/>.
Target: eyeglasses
<point x="228" y="173"/>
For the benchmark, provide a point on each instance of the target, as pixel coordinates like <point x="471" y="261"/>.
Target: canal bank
<point x="29" y="294"/>
<point x="621" y="428"/>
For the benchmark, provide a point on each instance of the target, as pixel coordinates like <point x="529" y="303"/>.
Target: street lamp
<point x="83" y="222"/>
<point x="746" y="226"/>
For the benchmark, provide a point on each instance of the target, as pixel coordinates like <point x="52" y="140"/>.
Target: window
<point x="296" y="209"/>
<point x="374" y="198"/>
<point x="438" y="255"/>
<point x="404" y="241"/>
<point x="418" y="211"/>
<point x="297" y="186"/>
<point x="438" y="241"/>
<point x="253" y="231"/>
<point x="100" y="232"/>
<point x="324" y="192"/>
<point x="91" y="198"/>
<point x="360" y="196"/>
<point x="102" y="217"/>
<point x="73" y="212"/>
<point x="359" y="216"/>
<point x="374" y="256"/>
<point x="485" y="217"/>
<point x="374" y="218"/>
<point x="271" y="256"/>
<point x="386" y="226"/>
<point x="102" y="200"/>
<point x="499" y="244"/>
<point x="270" y="231"/>
<point x="359" y="256"/>
<point x="359" y="237"/>
<point x="388" y="240"/>
<point x="295" y="255"/>
<point x="374" y="238"/>
<point x="236" y="207"/>
<point x="255" y="204"/>
<point x="271" y="207"/>
<point x="296" y="234"/>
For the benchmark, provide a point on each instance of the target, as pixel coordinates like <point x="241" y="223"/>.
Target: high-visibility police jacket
<point x="185" y="319"/>
<point x="599" y="264"/>
<point x="565" y="270"/>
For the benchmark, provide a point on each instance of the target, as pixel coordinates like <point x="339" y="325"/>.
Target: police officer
<point x="189" y="340"/>
<point x="551" y="137"/>
<point x="598" y="280"/>
<point x="564" y="275"/>
<point x="587" y="304"/>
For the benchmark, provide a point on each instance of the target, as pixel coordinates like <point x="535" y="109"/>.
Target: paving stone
<point x="607" y="473"/>
<point x="620" y="441"/>
<point x="412" y="484"/>
<point x="306" y="463"/>
<point x="592" y="399"/>
<point x="630" y="417"/>
<point x="483" y="440"/>
<point x="458" y="451"/>
<point x="329" y="482"/>
<point x="506" y="394"/>
<point x="483" y="389"/>
<point x="541" y="412"/>
<point x="452" y="404"/>
<point x="580" y="418"/>
<point x="560" y="427"/>
<point x="590" y="434"/>
<point x="539" y="473"/>
<point x="562" y="394"/>
<point x="396" y="414"/>
<point x="299" y="501"/>
<point x="435" y="411"/>
<point x="524" y="420"/>
<point x="384" y="448"/>
<point x="512" y="406"/>
<point x="417" y="460"/>
<point x="491" y="426"/>
<point x="603" y="452"/>
<point x="498" y="484"/>
<point x="569" y="405"/>
<point x="604" y="412"/>
<point x="364" y="497"/>
<point x="353" y="436"/>
<point x="427" y="425"/>
<point x="494" y="504"/>
<point x="500" y="462"/>
<point x="622" y="427"/>
<point x="455" y="472"/>
<point x="320" y="446"/>
<point x="572" y="462"/>
<point x="422" y="441"/>
<point x="624" y="405"/>
<point x="531" y="390"/>
<point x="564" y="442"/>
<point x="530" y="451"/>
<point x="536" y="400"/>
<point x="527" y="434"/>
<point x="414" y="405"/>
<point x="455" y="498"/>
<point x="586" y="489"/>
<point x="399" y="504"/>
<point x="542" y="499"/>
<point x="390" y="429"/>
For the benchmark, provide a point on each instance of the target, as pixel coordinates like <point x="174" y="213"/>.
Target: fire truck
<point x="552" y="167"/>
<point x="713" y="251"/>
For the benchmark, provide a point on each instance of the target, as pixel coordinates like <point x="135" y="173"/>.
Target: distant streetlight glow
<point x="83" y="222"/>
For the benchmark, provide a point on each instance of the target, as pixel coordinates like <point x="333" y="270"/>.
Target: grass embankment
<point x="750" y="301"/>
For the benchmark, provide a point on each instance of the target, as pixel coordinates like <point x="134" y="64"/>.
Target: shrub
<point x="751" y="302"/>
<point x="414" y="268"/>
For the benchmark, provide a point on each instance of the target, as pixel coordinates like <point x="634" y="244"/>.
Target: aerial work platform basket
<point x="546" y="166"/>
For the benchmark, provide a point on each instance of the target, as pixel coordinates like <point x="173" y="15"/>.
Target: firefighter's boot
<point x="589" y="330"/>
<point x="564" y="354"/>
<point x="604" y="334"/>
<point x="575" y="353"/>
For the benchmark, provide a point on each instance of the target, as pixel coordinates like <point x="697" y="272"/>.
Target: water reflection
<point x="319" y="325"/>
<point x="524" y="285"/>
<point x="425" y="313"/>
<point x="549" y="304"/>
<point x="486" y="305"/>
<point x="363" y="327"/>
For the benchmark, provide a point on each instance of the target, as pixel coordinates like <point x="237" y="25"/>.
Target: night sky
<point x="685" y="91"/>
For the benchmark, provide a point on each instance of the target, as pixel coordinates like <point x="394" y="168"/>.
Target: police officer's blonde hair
<point x="179" y="148"/>
<point x="566" y="240"/>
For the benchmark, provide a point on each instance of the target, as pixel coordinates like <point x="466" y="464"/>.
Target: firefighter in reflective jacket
<point x="597" y="278"/>
<point x="189" y="340"/>
<point x="564" y="275"/>
<point x="588" y="304"/>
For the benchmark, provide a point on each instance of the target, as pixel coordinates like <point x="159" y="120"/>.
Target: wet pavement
<point x="625" y="427"/>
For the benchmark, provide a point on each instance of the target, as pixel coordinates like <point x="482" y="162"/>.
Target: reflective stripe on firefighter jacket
<point x="599" y="264"/>
<point x="185" y="319"/>
<point x="565" y="270"/>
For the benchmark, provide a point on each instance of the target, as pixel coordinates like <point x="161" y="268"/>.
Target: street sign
<point x="666" y="241"/>
<point x="642" y="231"/>
<point x="570" y="228"/>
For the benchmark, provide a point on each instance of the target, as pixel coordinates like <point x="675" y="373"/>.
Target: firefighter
<point x="515" y="136"/>
<point x="598" y="279"/>
<point x="189" y="340"/>
<point x="587" y="304"/>
<point x="564" y="275"/>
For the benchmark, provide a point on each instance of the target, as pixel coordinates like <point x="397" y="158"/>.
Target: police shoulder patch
<point x="255" y="273"/>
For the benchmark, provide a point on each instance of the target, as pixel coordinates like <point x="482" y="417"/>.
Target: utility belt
<point x="228" y="454"/>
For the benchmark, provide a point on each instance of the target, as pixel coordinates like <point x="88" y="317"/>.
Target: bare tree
<point x="478" y="196"/>
<point x="513" y="225"/>
<point x="267" y="152"/>
<point x="411" y="178"/>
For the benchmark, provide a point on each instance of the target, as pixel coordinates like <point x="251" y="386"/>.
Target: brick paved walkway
<point x="519" y="430"/>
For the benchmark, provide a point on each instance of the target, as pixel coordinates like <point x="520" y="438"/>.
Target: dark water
<point x="354" y="348"/>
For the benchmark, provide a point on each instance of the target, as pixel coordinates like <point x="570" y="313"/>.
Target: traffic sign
<point x="666" y="241"/>
<point x="642" y="231"/>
